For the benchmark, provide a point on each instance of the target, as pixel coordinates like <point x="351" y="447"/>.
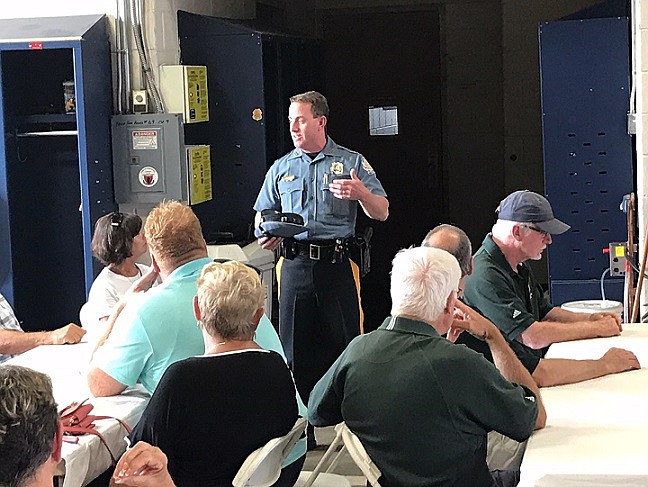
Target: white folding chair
<point x="262" y="467"/>
<point x="358" y="454"/>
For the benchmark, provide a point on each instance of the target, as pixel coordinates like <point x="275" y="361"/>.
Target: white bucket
<point x="595" y="306"/>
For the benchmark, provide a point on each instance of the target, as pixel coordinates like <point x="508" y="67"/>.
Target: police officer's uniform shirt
<point x="298" y="184"/>
<point x="8" y="321"/>
<point x="513" y="301"/>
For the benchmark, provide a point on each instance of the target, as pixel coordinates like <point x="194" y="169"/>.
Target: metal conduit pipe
<point x="146" y="67"/>
<point x="125" y="27"/>
<point x="119" y="47"/>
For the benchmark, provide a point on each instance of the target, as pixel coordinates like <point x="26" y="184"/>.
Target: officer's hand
<point x="68" y="334"/>
<point x="269" y="243"/>
<point x="349" y="189"/>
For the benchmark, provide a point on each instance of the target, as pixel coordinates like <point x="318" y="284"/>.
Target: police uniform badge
<point x="367" y="167"/>
<point x="337" y="168"/>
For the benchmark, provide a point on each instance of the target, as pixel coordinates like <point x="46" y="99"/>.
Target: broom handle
<point x="644" y="256"/>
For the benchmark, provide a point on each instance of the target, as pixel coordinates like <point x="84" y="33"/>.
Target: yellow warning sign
<point x="200" y="178"/>
<point x="197" y="101"/>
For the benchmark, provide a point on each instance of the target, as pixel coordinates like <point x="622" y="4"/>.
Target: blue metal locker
<point x="55" y="164"/>
<point x="588" y="161"/>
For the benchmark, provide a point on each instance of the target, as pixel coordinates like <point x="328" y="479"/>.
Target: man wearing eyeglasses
<point x="545" y="371"/>
<point x="503" y="288"/>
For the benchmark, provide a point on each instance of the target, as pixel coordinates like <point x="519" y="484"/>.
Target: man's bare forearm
<point x="558" y="371"/>
<point x="109" y="326"/>
<point x="375" y="206"/>
<point x="555" y="371"/>
<point x="15" y="342"/>
<point x="512" y="369"/>
<point x="543" y="333"/>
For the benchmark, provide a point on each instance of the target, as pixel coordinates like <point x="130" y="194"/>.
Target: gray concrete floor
<point x="345" y="465"/>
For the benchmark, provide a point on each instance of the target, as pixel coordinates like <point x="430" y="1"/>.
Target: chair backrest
<point x="360" y="455"/>
<point x="262" y="467"/>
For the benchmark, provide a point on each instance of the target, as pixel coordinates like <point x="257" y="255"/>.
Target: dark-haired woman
<point x="118" y="242"/>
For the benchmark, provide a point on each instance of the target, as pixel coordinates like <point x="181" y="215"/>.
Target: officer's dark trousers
<point x="318" y="316"/>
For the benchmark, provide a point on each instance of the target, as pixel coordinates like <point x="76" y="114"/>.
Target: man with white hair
<point x="503" y="288"/>
<point x="545" y="371"/>
<point x="421" y="406"/>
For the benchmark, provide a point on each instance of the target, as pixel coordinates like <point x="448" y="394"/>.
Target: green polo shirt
<point x="511" y="300"/>
<point x="421" y="406"/>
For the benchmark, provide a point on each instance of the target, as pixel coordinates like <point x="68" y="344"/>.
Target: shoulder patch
<point x="367" y="167"/>
<point x="341" y="148"/>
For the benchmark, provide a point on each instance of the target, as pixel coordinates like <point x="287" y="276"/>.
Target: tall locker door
<point x="588" y="160"/>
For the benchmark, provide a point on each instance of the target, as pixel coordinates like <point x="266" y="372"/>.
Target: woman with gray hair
<point x="209" y="412"/>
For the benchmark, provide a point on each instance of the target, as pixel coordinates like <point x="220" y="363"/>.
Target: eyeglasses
<point x="544" y="233"/>
<point x="116" y="219"/>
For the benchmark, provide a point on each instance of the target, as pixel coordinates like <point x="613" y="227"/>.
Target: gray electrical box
<point x="149" y="158"/>
<point x="617" y="258"/>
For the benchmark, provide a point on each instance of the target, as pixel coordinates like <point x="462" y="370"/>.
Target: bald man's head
<point x="454" y="240"/>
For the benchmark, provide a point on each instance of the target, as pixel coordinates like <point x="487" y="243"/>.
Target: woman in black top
<point x="210" y="412"/>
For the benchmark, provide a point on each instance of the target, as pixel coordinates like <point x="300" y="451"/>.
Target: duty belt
<point x="324" y="250"/>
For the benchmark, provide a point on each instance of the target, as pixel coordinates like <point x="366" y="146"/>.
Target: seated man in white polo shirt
<point x="13" y="340"/>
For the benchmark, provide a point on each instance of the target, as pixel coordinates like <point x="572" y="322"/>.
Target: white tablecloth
<point x="67" y="366"/>
<point x="597" y="430"/>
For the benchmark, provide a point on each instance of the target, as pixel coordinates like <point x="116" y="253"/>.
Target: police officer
<point x="323" y="182"/>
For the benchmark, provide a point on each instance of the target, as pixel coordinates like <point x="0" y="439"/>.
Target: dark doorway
<point x="387" y="64"/>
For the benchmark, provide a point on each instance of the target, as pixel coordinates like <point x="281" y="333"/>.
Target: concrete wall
<point x="45" y="8"/>
<point x="162" y="26"/>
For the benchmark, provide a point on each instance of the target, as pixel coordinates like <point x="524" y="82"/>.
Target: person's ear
<point x="256" y="319"/>
<point x="196" y="308"/>
<point x="450" y="303"/>
<point x="323" y="121"/>
<point x="57" y="446"/>
<point x="257" y="316"/>
<point x="470" y="266"/>
<point x="516" y="232"/>
<point x="155" y="264"/>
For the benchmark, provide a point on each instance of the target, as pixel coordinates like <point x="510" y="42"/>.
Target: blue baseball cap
<point x="529" y="207"/>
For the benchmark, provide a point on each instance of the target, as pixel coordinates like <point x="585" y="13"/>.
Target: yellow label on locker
<point x="197" y="103"/>
<point x="200" y="177"/>
<point x="619" y="251"/>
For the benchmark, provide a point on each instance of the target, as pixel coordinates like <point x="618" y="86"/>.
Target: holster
<point x="287" y="248"/>
<point x="361" y="251"/>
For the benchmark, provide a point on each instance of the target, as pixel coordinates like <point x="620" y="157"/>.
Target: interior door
<point x="385" y="66"/>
